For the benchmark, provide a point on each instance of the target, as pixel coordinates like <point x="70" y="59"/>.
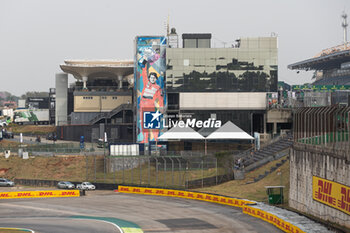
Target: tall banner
<point x="150" y="67"/>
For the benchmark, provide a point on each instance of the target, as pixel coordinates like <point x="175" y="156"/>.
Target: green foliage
<point x="6" y="96"/>
<point x="222" y="154"/>
<point x="35" y="94"/>
<point x="225" y="159"/>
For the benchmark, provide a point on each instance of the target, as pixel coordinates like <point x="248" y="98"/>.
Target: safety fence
<point x="154" y="171"/>
<point x="322" y="126"/>
<point x="63" y="148"/>
<point x="171" y="171"/>
<point x="53" y="183"/>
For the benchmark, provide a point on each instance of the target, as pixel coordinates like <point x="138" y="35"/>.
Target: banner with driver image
<point x="150" y="67"/>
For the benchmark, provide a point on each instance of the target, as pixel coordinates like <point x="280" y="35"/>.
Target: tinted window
<point x="222" y="70"/>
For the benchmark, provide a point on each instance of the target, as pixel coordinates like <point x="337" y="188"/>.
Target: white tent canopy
<point x="229" y="131"/>
<point x="181" y="133"/>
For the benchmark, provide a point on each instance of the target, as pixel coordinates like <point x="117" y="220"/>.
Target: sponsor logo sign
<point x="152" y="120"/>
<point x="331" y="193"/>
<point x="270" y="218"/>
<point x="36" y="194"/>
<point x="156" y="120"/>
<point x="184" y="194"/>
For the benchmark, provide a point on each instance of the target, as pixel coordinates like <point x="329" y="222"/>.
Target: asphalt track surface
<point x="154" y="214"/>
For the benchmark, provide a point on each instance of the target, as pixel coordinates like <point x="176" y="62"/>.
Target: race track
<point x="150" y="213"/>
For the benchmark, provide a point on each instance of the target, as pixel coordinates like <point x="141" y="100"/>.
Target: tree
<point x="34" y="94"/>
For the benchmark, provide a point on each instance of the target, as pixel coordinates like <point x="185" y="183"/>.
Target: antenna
<point x="167" y="26"/>
<point x="221" y="41"/>
<point x="344" y="25"/>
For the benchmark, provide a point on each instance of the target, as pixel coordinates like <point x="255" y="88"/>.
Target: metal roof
<point x="323" y="62"/>
<point x="91" y="68"/>
<point x="196" y="36"/>
<point x="229" y="131"/>
<point x="181" y="133"/>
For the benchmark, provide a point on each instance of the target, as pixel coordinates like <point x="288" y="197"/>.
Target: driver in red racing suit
<point x="151" y="100"/>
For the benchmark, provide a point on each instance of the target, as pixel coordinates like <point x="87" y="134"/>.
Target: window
<point x="186" y="62"/>
<point x="114" y="97"/>
<point x="203" y="43"/>
<point x="88" y="97"/>
<point x="189" y="43"/>
<point x="104" y="97"/>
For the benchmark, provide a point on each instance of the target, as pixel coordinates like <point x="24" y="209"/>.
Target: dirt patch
<point x="8" y="143"/>
<point x="72" y="168"/>
<point x="32" y="129"/>
<point x="3" y="171"/>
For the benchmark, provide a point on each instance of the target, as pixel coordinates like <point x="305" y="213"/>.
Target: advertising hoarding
<point x="150" y="67"/>
<point x="331" y="193"/>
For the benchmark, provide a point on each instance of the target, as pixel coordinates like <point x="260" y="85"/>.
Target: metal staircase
<point x="110" y="114"/>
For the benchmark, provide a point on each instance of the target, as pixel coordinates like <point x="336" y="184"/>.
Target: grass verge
<point x="254" y="191"/>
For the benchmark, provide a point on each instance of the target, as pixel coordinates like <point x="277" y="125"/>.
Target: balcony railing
<point x="102" y="89"/>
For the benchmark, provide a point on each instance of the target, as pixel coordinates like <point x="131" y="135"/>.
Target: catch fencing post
<point x="140" y="170"/>
<point x="172" y="171"/>
<point x="114" y="168"/>
<point x="132" y="174"/>
<point x="216" y="171"/>
<point x="164" y="172"/>
<point x="186" y="181"/>
<point x="123" y="170"/>
<point x="156" y="171"/>
<point x="179" y="173"/>
<point x="149" y="170"/>
<point x="202" y="171"/>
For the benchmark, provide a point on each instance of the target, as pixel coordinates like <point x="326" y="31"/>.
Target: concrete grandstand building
<point x="331" y="69"/>
<point x="102" y="92"/>
<point x="331" y="66"/>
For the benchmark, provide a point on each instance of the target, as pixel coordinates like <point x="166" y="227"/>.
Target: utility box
<point x="20" y="152"/>
<point x="275" y="194"/>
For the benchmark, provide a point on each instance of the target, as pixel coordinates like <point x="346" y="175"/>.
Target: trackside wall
<point x="320" y="182"/>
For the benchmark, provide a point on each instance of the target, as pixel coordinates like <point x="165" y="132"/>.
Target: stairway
<point x="110" y="114"/>
<point x="268" y="153"/>
<point x="272" y="169"/>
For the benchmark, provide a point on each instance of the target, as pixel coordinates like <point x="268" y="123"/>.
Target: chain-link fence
<point x="153" y="171"/>
<point x="35" y="149"/>
<point x="66" y="161"/>
<point x="163" y="171"/>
